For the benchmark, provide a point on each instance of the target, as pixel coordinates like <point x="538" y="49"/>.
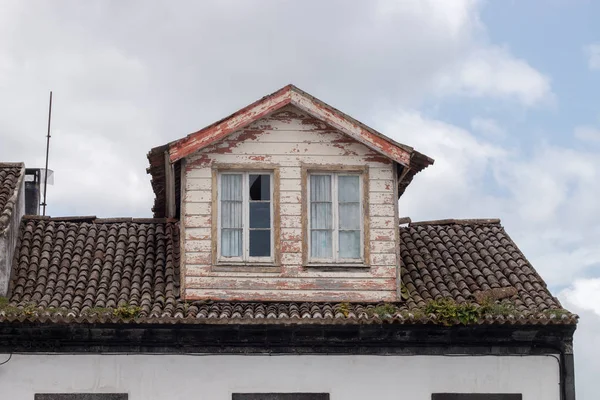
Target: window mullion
<point x="271" y="218"/>
<point x="335" y="215"/>
<point x="245" y="219"/>
<point x="361" y="216"/>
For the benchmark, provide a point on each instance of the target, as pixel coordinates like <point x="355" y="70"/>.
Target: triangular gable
<point x="305" y="102"/>
<point x="164" y="159"/>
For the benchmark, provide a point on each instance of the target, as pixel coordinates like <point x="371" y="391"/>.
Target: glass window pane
<point x="231" y="214"/>
<point x="231" y="242"/>
<point x="349" y="216"/>
<point x="231" y="187"/>
<point x="348" y="188"/>
<point x="260" y="187"/>
<point x="260" y="215"/>
<point x="349" y="244"/>
<point x="321" y="216"/>
<point x="320" y="188"/>
<point x="260" y="243"/>
<point x="321" y="244"/>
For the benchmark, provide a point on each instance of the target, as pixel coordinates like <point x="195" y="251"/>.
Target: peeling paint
<point x="322" y="116"/>
<point x="288" y="139"/>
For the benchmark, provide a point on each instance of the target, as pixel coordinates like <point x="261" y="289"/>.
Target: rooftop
<point x="124" y="270"/>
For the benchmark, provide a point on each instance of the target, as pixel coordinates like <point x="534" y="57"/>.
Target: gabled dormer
<point x="286" y="199"/>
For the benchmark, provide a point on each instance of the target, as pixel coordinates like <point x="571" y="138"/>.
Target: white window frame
<point x="245" y="258"/>
<point x="335" y="259"/>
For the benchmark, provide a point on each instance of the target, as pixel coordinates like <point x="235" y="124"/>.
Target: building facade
<point x="277" y="267"/>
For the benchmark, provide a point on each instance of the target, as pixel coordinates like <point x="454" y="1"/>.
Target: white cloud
<point x="584" y="294"/>
<point x="495" y="72"/>
<point x="461" y="162"/>
<point x="592" y="51"/>
<point x="128" y="90"/>
<point x="547" y="201"/>
<point x="587" y="134"/>
<point x="488" y="126"/>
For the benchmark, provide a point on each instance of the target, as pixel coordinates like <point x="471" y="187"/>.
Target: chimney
<point x="32" y="190"/>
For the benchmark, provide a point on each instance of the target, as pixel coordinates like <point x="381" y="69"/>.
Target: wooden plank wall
<point x="288" y="138"/>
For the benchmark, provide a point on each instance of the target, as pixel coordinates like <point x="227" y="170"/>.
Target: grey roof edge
<point x="454" y="221"/>
<point x="92" y="219"/>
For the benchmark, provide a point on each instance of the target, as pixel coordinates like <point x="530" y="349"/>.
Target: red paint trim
<point x="225" y="127"/>
<point x="276" y="101"/>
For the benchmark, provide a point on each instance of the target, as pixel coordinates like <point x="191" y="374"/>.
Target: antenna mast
<point x="47" y="151"/>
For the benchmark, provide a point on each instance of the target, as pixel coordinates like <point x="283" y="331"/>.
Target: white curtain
<point x="231" y="215"/>
<point x="349" y="216"/>
<point x="321" y="216"/>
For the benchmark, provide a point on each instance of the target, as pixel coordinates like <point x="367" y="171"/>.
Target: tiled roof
<point x="459" y="259"/>
<point x="126" y="270"/>
<point x="10" y="175"/>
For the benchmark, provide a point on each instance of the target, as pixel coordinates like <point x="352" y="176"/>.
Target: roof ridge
<point x="95" y="220"/>
<point x="17" y="164"/>
<point x="455" y="221"/>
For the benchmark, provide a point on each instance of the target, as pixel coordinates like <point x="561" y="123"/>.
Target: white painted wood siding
<point x="289" y="138"/>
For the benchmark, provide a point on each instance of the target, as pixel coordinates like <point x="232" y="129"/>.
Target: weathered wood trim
<point x="337" y="267"/>
<point x="215" y="214"/>
<point x="276" y="215"/>
<point x="294" y="270"/>
<point x="169" y="187"/>
<point x="366" y="217"/>
<point x="246" y="268"/>
<point x="344" y="124"/>
<point x="225" y="127"/>
<point x="334" y="168"/>
<point x="310" y="105"/>
<point x="250" y="166"/>
<point x="217" y="167"/>
<point x="282" y="294"/>
<point x="304" y="200"/>
<point x="307" y="284"/>
<point x="397" y="239"/>
<point x="182" y="230"/>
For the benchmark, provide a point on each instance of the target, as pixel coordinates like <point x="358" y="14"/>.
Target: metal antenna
<point x="47" y="151"/>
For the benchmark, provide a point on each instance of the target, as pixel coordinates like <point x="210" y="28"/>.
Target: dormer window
<point x="335" y="220"/>
<point x="245" y="216"/>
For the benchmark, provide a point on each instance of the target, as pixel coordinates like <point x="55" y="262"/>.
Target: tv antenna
<point x="47" y="151"/>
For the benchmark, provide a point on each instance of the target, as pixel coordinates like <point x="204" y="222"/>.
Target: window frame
<point x="82" y="396"/>
<point x="362" y="172"/>
<point x="245" y="260"/>
<point x="476" y="396"/>
<point x="280" y="396"/>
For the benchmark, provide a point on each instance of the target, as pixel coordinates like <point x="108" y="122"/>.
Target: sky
<point x="504" y="95"/>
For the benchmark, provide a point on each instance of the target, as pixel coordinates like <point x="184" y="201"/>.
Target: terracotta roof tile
<point x="95" y="271"/>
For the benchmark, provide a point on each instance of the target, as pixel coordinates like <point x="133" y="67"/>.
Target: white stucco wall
<point x="210" y="377"/>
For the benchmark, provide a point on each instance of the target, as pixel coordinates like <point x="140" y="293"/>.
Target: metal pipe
<point x="47" y="151"/>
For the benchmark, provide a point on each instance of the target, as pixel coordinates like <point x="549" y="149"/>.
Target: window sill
<point x="338" y="267"/>
<point x="246" y="267"/>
